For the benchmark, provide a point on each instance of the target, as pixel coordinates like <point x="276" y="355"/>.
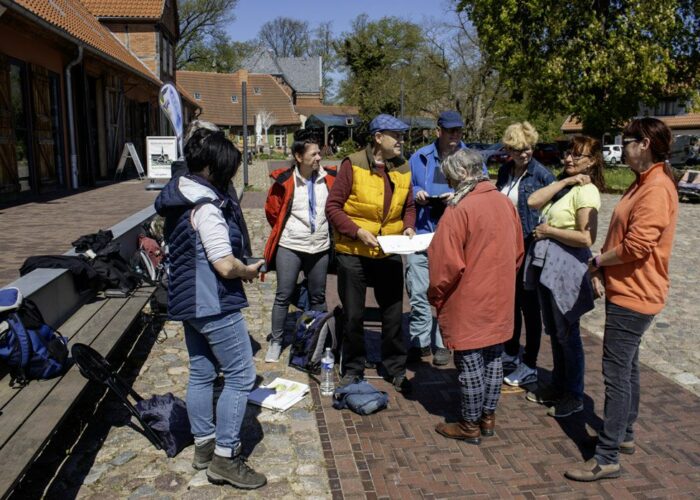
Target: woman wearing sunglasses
<point x="633" y="269"/>
<point x="557" y="267"/>
<point x="518" y="179"/>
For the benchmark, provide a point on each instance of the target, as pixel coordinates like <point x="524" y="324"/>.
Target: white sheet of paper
<point x="403" y="245"/>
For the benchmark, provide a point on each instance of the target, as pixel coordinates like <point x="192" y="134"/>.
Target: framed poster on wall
<point x="161" y="152"/>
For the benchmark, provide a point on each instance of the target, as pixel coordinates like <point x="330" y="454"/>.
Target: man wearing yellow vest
<point x="372" y="195"/>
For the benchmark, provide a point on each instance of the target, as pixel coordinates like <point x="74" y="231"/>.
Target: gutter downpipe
<point x="71" y="122"/>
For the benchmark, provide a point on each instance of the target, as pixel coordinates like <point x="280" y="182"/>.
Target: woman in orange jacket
<point x="300" y="238"/>
<point x="632" y="272"/>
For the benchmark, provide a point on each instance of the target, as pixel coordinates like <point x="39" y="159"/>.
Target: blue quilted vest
<point x="195" y="290"/>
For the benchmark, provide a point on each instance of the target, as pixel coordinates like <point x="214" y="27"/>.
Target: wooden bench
<point x="30" y="416"/>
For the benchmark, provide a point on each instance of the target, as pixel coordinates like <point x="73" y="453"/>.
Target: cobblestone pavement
<point x="670" y="346"/>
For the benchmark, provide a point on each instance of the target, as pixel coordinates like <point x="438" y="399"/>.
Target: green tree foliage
<point x="203" y="43"/>
<point x="382" y="57"/>
<point x="596" y="59"/>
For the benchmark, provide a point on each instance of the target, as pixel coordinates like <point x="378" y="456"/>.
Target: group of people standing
<point x="519" y="247"/>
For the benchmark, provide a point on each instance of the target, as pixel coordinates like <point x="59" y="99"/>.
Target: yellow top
<point x="562" y="214"/>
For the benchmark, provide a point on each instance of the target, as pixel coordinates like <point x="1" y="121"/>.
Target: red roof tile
<point x="73" y="17"/>
<point x="690" y="120"/>
<point x="146" y="9"/>
<point x="216" y="89"/>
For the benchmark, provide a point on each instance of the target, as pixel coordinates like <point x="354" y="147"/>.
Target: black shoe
<point x="565" y="406"/>
<point x="234" y="471"/>
<point x="546" y="395"/>
<point x="402" y="384"/>
<point x="418" y="353"/>
<point x="370" y="365"/>
<point x="203" y="454"/>
<point x="349" y="378"/>
<point x="441" y="356"/>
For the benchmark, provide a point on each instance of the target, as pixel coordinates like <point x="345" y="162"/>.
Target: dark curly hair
<point x="302" y="138"/>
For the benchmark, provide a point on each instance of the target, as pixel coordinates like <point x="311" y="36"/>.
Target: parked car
<point x="496" y="153"/>
<point x="547" y="154"/>
<point x="612" y="153"/>
<point x="685" y="150"/>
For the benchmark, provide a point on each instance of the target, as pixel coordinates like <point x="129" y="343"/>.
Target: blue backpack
<point x="315" y="330"/>
<point x="30" y="348"/>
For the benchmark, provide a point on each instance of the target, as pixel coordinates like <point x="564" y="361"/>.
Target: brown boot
<point x="488" y="424"/>
<point x="463" y="430"/>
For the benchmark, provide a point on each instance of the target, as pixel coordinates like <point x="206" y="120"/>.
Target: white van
<point x="612" y="153"/>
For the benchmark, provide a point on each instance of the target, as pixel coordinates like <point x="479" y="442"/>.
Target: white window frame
<point x="280" y="137"/>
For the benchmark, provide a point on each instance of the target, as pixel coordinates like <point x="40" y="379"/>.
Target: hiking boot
<point x="462" y="430"/>
<point x="546" y="395"/>
<point x="418" y="353"/>
<point x="521" y="376"/>
<point x="627" y="448"/>
<point x="509" y="362"/>
<point x="234" y="471"/>
<point x="591" y="470"/>
<point x="565" y="406"/>
<point x="402" y="384"/>
<point x="273" y="352"/>
<point x="441" y="356"/>
<point x="488" y="424"/>
<point x="371" y="365"/>
<point x="203" y="454"/>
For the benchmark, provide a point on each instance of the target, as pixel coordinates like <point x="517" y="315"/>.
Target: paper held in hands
<point x="403" y="245"/>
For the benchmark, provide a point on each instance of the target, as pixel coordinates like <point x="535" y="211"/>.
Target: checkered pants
<point x="480" y="377"/>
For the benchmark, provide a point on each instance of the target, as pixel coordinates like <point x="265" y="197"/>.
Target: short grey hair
<point x="196" y="125"/>
<point x="462" y="165"/>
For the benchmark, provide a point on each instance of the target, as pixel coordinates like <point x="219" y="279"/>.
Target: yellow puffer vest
<point x="365" y="205"/>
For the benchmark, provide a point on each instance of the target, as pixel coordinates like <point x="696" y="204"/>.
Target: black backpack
<point x="29" y="347"/>
<point x="315" y="330"/>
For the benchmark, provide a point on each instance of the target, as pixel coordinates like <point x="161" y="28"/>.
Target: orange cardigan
<point x="641" y="234"/>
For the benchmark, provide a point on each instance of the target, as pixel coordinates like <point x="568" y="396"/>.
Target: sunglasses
<point x="629" y="140"/>
<point x="575" y="157"/>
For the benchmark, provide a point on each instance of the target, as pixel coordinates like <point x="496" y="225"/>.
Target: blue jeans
<point x="424" y="330"/>
<point x="623" y="333"/>
<point x="215" y="343"/>
<point x="288" y="264"/>
<point x="567" y="349"/>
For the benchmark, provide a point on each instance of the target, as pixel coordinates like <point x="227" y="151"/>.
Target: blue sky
<point x="252" y="14"/>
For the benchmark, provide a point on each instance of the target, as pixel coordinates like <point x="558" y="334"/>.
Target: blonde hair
<point x="520" y="136"/>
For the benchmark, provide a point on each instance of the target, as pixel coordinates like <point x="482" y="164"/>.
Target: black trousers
<point x="355" y="274"/>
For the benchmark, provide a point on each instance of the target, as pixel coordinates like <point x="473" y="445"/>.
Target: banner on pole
<point x="172" y="107"/>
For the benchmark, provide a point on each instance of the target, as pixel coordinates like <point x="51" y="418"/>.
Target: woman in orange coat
<point x="473" y="260"/>
<point x="633" y="269"/>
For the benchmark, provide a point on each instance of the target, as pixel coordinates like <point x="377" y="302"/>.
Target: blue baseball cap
<point x="450" y="119"/>
<point x="386" y="122"/>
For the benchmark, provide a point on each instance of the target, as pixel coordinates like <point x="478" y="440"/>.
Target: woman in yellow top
<point x="570" y="212"/>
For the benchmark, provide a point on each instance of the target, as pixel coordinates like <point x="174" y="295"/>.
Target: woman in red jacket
<point x="300" y="238"/>
<point x="473" y="260"/>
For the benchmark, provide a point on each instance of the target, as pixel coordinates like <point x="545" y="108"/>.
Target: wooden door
<point x="9" y="178"/>
<point x="43" y="134"/>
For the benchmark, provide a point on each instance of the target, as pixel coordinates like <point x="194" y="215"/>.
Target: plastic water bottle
<point x="327" y="383"/>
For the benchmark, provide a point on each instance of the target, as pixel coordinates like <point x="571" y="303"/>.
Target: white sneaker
<point x="522" y="375"/>
<point x="510" y="362"/>
<point x="273" y="352"/>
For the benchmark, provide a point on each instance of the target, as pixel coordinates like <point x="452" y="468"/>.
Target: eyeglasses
<point x="629" y="140"/>
<point x="575" y="157"/>
<point x="519" y="151"/>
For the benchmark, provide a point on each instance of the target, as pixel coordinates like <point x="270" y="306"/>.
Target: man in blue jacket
<point x="431" y="194"/>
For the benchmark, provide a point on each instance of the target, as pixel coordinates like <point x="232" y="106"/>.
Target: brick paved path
<point x="396" y="453"/>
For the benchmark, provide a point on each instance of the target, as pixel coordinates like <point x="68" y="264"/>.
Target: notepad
<point x="403" y="245"/>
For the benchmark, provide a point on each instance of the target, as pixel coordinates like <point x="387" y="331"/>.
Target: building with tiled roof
<point x="301" y="74"/>
<point x="220" y="97"/>
<point x="78" y="80"/>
